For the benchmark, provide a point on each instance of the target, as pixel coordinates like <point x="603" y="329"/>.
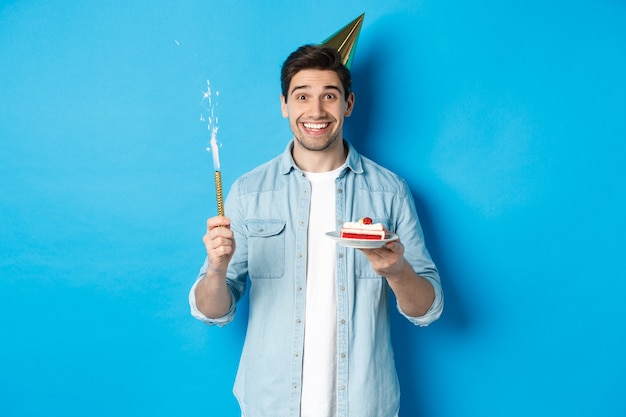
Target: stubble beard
<point x="318" y="144"/>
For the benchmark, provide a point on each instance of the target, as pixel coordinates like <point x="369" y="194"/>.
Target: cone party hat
<point x="345" y="40"/>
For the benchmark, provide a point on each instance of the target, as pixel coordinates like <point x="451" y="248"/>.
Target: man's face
<point x="316" y="108"/>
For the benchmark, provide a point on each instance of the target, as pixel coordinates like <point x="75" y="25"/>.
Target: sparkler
<point x="212" y="125"/>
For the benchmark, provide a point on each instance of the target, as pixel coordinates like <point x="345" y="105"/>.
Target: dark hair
<point x="314" y="57"/>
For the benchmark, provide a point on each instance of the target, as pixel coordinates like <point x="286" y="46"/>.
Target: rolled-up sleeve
<point x="435" y="310"/>
<point x="418" y="256"/>
<point x="221" y="321"/>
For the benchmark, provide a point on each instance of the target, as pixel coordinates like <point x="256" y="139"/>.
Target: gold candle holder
<point x="218" y="193"/>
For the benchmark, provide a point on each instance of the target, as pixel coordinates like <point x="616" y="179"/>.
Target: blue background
<point x="507" y="119"/>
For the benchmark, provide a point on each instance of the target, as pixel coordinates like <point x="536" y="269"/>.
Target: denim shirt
<point x="268" y="208"/>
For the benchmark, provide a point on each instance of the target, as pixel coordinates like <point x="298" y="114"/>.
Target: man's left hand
<point x="388" y="260"/>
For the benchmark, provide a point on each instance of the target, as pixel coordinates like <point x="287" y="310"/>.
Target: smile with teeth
<point x="315" y="126"/>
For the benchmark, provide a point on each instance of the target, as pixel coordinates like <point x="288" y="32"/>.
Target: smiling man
<point x="318" y="340"/>
<point x="316" y="105"/>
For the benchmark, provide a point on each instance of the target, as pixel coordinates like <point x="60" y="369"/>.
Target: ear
<point x="283" y="106"/>
<point x="349" y="105"/>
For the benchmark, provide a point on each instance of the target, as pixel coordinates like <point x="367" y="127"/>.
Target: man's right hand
<point x="219" y="242"/>
<point x="213" y="297"/>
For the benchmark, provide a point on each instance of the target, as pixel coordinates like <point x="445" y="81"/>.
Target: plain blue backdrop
<point x="507" y="119"/>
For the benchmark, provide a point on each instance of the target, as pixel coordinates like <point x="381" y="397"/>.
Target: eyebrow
<point x="306" y="86"/>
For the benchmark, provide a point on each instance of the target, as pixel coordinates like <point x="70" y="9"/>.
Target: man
<point x="318" y="341"/>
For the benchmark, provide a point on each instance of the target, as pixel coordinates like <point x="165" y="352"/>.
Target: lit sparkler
<point x="212" y="124"/>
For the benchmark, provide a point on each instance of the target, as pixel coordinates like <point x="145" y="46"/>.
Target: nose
<point x="316" y="109"/>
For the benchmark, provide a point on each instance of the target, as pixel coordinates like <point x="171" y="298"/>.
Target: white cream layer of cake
<point x="356" y="230"/>
<point x="362" y="226"/>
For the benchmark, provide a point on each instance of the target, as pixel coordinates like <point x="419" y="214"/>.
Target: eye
<point x="300" y="97"/>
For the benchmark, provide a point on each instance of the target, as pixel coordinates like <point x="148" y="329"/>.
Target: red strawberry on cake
<point x="364" y="229"/>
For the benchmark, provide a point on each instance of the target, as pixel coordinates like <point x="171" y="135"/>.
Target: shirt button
<point x="343" y="356"/>
<point x="342" y="387"/>
<point x="342" y="288"/>
<point x="340" y="255"/>
<point x="339" y="221"/>
<point x="340" y="191"/>
<point x="342" y="321"/>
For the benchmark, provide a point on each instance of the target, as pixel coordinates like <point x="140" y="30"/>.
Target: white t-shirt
<point x="319" y="373"/>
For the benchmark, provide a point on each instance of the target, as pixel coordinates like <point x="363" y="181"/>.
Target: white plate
<point x="362" y="243"/>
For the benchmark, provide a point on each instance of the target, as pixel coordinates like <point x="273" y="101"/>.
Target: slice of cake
<point x="363" y="229"/>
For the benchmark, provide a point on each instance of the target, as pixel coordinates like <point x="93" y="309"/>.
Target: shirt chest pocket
<point x="266" y="248"/>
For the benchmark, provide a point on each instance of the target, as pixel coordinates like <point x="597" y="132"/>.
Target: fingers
<point x="217" y="221"/>
<point x="396" y="246"/>
<point x="219" y="241"/>
<point x="386" y="259"/>
<point x="220" y="245"/>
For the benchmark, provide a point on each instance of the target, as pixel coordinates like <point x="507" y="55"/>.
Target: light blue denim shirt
<point x="268" y="208"/>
